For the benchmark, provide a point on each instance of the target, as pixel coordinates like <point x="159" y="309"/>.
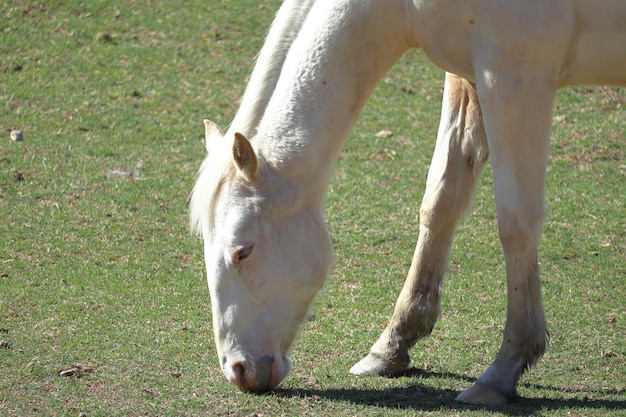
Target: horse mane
<point x="269" y="64"/>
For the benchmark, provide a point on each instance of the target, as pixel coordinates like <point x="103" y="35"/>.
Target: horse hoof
<point x="374" y="365"/>
<point x="484" y="395"/>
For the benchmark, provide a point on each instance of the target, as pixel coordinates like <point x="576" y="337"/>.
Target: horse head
<point x="267" y="253"/>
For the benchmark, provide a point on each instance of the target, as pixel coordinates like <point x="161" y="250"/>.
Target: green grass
<point x="103" y="303"/>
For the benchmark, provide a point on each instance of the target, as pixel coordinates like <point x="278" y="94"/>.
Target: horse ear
<point x="212" y="133"/>
<point x="244" y="156"/>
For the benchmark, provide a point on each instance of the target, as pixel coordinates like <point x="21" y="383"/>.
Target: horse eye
<point x="243" y="253"/>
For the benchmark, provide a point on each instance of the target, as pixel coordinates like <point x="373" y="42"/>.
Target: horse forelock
<point x="213" y="173"/>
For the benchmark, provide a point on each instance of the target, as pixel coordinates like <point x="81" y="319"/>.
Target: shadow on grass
<point x="419" y="396"/>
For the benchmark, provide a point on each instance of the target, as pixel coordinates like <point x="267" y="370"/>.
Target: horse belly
<point x="598" y="48"/>
<point x="599" y="58"/>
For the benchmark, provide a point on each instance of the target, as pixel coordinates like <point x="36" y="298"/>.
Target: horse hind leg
<point x="460" y="154"/>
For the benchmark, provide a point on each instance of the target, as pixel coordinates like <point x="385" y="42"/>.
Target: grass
<point x="103" y="305"/>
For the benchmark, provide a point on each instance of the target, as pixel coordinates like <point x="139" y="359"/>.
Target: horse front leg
<point x="459" y="156"/>
<point x="517" y="114"/>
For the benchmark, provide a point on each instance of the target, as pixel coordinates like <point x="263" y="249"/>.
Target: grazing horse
<point x="258" y="199"/>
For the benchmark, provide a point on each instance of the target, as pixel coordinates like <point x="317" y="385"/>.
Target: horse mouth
<point x="263" y="374"/>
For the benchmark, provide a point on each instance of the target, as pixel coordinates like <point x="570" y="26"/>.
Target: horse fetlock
<point x="524" y="351"/>
<point x="497" y="385"/>
<point x="417" y="318"/>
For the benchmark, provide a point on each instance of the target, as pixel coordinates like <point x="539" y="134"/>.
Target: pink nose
<point x="255" y="377"/>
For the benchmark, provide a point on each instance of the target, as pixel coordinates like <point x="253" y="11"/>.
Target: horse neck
<point x="339" y="56"/>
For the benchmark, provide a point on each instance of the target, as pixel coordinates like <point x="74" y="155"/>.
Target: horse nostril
<point x="238" y="373"/>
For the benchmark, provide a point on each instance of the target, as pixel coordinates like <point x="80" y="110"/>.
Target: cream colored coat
<point x="258" y="199"/>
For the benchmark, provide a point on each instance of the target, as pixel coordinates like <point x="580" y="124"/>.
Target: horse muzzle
<point x="261" y="375"/>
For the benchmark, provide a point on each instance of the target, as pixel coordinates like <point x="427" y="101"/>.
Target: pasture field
<point x="104" y="309"/>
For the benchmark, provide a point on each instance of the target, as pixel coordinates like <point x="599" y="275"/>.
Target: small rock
<point x="68" y="372"/>
<point x="4" y="344"/>
<point x="77" y="371"/>
<point x="17" y="135"/>
<point x="11" y="67"/>
<point x="104" y="37"/>
<point x="609" y="354"/>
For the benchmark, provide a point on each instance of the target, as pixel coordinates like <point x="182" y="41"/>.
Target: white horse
<point x="258" y="200"/>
